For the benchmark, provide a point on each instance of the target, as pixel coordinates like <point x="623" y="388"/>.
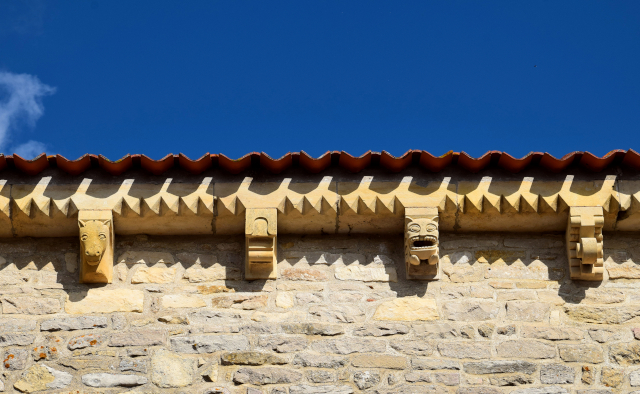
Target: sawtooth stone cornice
<point x="315" y="205"/>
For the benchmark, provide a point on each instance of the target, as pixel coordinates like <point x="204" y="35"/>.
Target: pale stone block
<point x="471" y="310"/>
<point x="42" y="377"/>
<point x="625" y="353"/>
<point x="144" y="257"/>
<point x="30" y="305"/>
<point x="552" y="333"/>
<point x="379" y="361"/>
<point x="105" y="301"/>
<point x="526" y="311"/>
<point x="367" y="273"/>
<point x="407" y="309"/>
<point x="171" y="370"/>
<point x="198" y="274"/>
<point x="182" y="301"/>
<point x="337" y="313"/>
<point x="465" y="350"/>
<point x="157" y="274"/>
<point x="591" y="354"/>
<point x="284" y="300"/>
<point x="526" y="349"/>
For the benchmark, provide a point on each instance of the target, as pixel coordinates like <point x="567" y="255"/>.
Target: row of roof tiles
<point x="301" y="159"/>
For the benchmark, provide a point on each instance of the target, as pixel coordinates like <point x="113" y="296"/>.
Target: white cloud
<point x="30" y="149"/>
<point x="21" y="103"/>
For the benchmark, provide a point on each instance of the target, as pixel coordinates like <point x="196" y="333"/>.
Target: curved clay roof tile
<point x="115" y="167"/>
<point x="195" y="166"/>
<point x="235" y="166"/>
<point x="73" y="167"/>
<point x="396" y="164"/>
<point x="31" y="167"/>
<point x="276" y="166"/>
<point x="312" y="165"/>
<point x="355" y="164"/>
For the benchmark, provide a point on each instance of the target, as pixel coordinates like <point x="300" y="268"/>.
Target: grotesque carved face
<point x="93" y="239"/>
<point x="421" y="240"/>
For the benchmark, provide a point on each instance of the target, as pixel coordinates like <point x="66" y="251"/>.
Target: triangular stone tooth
<point x="5" y="206"/>
<point x="330" y="207"/>
<point x="154" y="203"/>
<point x="44" y="205"/>
<point x="367" y="206"/>
<point x="169" y="205"/>
<point x="550" y="203"/>
<point x="62" y="206"/>
<point x="385" y="207"/>
<point x="190" y="203"/>
<point x="477" y="205"/>
<point x="493" y="202"/>
<point x="608" y="204"/>
<point x="236" y="206"/>
<point x="346" y="206"/>
<point x="134" y="204"/>
<point x="511" y="202"/>
<point x="208" y="203"/>
<point x="309" y="207"/>
<point x="25" y="206"/>
<point x="562" y="205"/>
<point x="529" y="205"/>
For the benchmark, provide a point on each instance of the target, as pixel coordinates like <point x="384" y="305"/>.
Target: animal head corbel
<point x="96" y="246"/>
<point x="421" y="239"/>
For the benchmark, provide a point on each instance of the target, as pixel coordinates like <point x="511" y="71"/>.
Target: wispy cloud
<point x="21" y="104"/>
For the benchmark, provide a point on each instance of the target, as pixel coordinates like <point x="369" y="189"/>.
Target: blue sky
<point x="157" y="77"/>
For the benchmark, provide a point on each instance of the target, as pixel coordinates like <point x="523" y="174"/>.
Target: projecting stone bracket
<point x="96" y="246"/>
<point x="421" y="240"/>
<point x="261" y="228"/>
<point x="585" y="243"/>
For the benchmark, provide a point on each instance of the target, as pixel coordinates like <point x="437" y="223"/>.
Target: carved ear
<point x="106" y="222"/>
<point x="436" y="219"/>
<point x="81" y="223"/>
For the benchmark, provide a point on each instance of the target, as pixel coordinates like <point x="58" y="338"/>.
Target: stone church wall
<point x="504" y="317"/>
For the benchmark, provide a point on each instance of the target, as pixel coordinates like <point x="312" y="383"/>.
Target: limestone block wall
<point x="340" y="318"/>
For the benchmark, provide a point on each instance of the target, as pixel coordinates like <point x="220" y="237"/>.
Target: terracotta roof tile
<point x="629" y="159"/>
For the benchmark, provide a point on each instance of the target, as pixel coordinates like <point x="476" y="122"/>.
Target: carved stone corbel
<point x="421" y="238"/>
<point x="585" y="242"/>
<point x="261" y="228"/>
<point x="96" y="246"/>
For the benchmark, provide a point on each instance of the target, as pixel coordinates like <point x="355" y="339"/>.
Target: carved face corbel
<point x="585" y="243"/>
<point x="421" y="238"/>
<point x="261" y="229"/>
<point x="96" y="246"/>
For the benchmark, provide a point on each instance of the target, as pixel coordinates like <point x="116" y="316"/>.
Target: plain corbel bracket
<point x="585" y="243"/>
<point x="261" y="229"/>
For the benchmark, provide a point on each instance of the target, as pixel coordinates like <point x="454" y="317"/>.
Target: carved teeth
<point x="427" y="242"/>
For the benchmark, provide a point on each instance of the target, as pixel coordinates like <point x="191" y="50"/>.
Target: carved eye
<point x="103" y="236"/>
<point x="84" y="237"/>
<point x="431" y="227"/>
<point x="414" y="228"/>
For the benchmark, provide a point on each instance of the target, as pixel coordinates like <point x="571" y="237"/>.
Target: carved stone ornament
<point x="584" y="243"/>
<point x="261" y="228"/>
<point x="421" y="238"/>
<point x="96" y="246"/>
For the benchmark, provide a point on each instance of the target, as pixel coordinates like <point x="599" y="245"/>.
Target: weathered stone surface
<point x="42" y="377"/>
<point x="306" y="274"/>
<point x="182" y="301"/>
<point x="470" y="310"/>
<point x="74" y="323"/>
<point x="526" y="349"/>
<point x="581" y="353"/>
<point x="337" y="313"/>
<point x="266" y="375"/>
<point x="431" y="364"/>
<point x="612" y="377"/>
<point x="17" y="325"/>
<point x="30" y="305"/>
<point x="137" y="338"/>
<point x="89" y="362"/>
<point x="83" y="341"/>
<point x="486" y="330"/>
<point x="312" y="329"/>
<point x="15" y="358"/>
<point x="283" y="344"/>
<point x="634" y="378"/>
<point x="16" y="339"/>
<point x="526" y="311"/>
<point x="105" y="301"/>
<point x="251" y="358"/>
<point x="349" y="345"/>
<point x="557" y="374"/>
<point x="625" y="353"/>
<point x="551" y="333"/>
<point x="320" y="376"/>
<point x="379" y="361"/>
<point x="306" y="389"/>
<point x="284" y="300"/>
<point x="157" y="274"/>
<point x="209" y="343"/>
<point x="588" y="374"/>
<point x="502" y="366"/>
<point x="171" y="370"/>
<point x="478" y="390"/>
<point x="381" y="330"/>
<point x="366" y="379"/>
<point x="407" y="309"/>
<point x="602" y="335"/>
<point x="418" y="377"/>
<point x="602" y="315"/>
<point x="199" y="274"/>
<point x="511" y="380"/>
<point x="542" y="390"/>
<point x="506" y="330"/>
<point x="413" y="347"/>
<point x="112" y="380"/>
<point x="436" y="331"/>
<point x="465" y="350"/>
<point x="133" y="365"/>
<point x="372" y="273"/>
<point x="319" y="361"/>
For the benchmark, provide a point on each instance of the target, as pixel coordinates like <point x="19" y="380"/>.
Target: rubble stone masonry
<point x="503" y="318"/>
